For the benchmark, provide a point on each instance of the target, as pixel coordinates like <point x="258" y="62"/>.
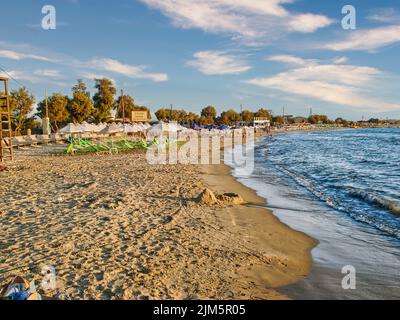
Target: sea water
<point x="342" y="188"/>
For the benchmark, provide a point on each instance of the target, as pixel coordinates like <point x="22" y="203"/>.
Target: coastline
<point x="147" y="236"/>
<point x="264" y="231"/>
<point x="339" y="236"/>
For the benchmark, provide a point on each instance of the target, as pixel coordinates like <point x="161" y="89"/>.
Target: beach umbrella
<point x="71" y="128"/>
<point x="129" y="128"/>
<point x="160" y="127"/>
<point x="112" y="128"/>
<point x="140" y="128"/>
<point x="101" y="126"/>
<point x="87" y="127"/>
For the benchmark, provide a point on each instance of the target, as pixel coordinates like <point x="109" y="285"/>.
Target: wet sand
<point x="115" y="227"/>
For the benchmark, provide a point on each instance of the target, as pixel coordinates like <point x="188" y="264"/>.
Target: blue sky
<point x="192" y="53"/>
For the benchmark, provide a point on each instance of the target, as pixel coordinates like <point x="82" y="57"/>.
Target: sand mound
<point x="231" y="198"/>
<point x="207" y="197"/>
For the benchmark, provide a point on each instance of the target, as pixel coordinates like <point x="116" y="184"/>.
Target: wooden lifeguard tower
<point x="6" y="147"/>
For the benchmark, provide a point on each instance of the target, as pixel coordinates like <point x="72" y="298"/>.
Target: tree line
<point x="81" y="106"/>
<point x="209" y="116"/>
<point x="62" y="109"/>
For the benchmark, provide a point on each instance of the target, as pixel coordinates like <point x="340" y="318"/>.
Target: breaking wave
<point x="377" y="200"/>
<point x="354" y="172"/>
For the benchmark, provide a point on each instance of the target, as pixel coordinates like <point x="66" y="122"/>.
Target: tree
<point x="206" y="121"/>
<point x="32" y="123"/>
<point x="209" y="112"/>
<point x="58" y="110"/>
<point x="182" y="116"/>
<point x="104" y="100"/>
<point x="263" y="113"/>
<point x="128" y="106"/>
<point x="171" y="115"/>
<point x="81" y="105"/>
<point x="374" y="120"/>
<point x="279" y="120"/>
<point x="192" y="118"/>
<point x="229" y="118"/>
<point x="163" y="115"/>
<point x="21" y="105"/>
<point x="318" y="118"/>
<point x="340" y="121"/>
<point x="209" y="115"/>
<point x="247" y="116"/>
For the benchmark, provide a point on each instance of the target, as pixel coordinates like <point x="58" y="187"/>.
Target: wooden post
<point x="47" y="107"/>
<point x="46" y="120"/>
<point x="123" y="106"/>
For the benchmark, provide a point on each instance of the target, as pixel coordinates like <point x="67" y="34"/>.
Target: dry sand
<point x="115" y="227"/>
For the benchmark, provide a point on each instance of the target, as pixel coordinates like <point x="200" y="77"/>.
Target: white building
<point x="261" y="122"/>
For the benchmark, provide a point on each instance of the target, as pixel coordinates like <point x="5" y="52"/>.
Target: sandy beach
<point x="115" y="227"/>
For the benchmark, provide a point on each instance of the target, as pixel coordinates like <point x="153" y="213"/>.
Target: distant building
<point x="261" y="122"/>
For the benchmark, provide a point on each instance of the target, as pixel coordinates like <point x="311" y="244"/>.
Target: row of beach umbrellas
<point x="155" y="130"/>
<point x="103" y="128"/>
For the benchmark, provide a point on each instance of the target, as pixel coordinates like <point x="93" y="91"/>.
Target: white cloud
<point x="218" y="63"/>
<point x="290" y="60"/>
<point x="203" y="15"/>
<point x="340" y="60"/>
<point x="131" y="71"/>
<point x="241" y="19"/>
<point x="308" y="23"/>
<point x="25" y="51"/>
<point x="48" y="73"/>
<point x="21" y="76"/>
<point x="334" y="83"/>
<point x="269" y="7"/>
<point x="367" y="40"/>
<point x="385" y="15"/>
<point x="92" y="76"/>
<point x="34" y="77"/>
<point x="14" y="55"/>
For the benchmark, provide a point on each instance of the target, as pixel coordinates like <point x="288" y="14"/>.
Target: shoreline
<point x="267" y="233"/>
<point x="331" y="254"/>
<point x="220" y="178"/>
